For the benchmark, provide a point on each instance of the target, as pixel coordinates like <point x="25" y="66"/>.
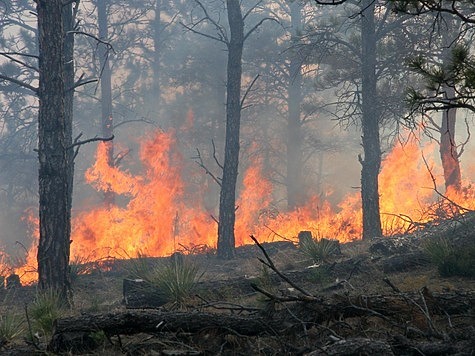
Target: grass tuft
<point x="45" y="309"/>
<point x="11" y="326"/>
<point x="177" y="279"/>
<point x="319" y="250"/>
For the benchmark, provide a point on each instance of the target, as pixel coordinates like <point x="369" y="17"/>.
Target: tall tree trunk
<point x="295" y="194"/>
<point x="227" y="201"/>
<point x="157" y="37"/>
<point x="106" y="92"/>
<point x="68" y="25"/>
<point x="370" y="125"/>
<point x="448" y="149"/>
<point x="53" y="146"/>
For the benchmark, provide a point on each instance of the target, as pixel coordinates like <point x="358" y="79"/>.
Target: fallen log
<point x="355" y="346"/>
<point x="153" y="321"/>
<point x="405" y="262"/>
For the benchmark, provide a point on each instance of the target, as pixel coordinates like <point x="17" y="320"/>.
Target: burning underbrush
<point x="160" y="212"/>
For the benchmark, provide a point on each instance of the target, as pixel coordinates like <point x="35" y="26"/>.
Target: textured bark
<point x="448" y="149"/>
<point x="157" y="37"/>
<point x="151" y="321"/>
<point x="68" y="24"/>
<point x="355" y="346"/>
<point x="106" y="92"/>
<point x="295" y="194"/>
<point x="370" y="125"/>
<point x="53" y="147"/>
<point x="227" y="199"/>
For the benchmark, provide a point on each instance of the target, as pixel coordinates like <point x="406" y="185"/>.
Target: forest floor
<point x="378" y="297"/>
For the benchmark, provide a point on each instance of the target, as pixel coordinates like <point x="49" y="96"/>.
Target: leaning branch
<point x="80" y="143"/>
<point x="271" y="265"/>
<point x="248" y="90"/>
<point x="20" y="83"/>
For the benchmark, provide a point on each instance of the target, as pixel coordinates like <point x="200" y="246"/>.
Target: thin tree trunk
<point x="295" y="196"/>
<point x="157" y="37"/>
<point x="53" y="146"/>
<point x="227" y="201"/>
<point x="106" y="92"/>
<point x="370" y="125"/>
<point x="68" y="24"/>
<point x="448" y="149"/>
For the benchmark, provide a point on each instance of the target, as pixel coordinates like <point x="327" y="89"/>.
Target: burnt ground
<point x="373" y="297"/>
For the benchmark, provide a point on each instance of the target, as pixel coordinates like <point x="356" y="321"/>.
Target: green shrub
<point x="319" y="250"/>
<point x="45" y="309"/>
<point x="438" y="249"/>
<point x="176" y="279"/>
<point x="450" y="260"/>
<point x="140" y="267"/>
<point x="11" y="326"/>
<point x="460" y="262"/>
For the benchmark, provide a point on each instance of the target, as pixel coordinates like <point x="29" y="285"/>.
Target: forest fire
<point x="163" y="212"/>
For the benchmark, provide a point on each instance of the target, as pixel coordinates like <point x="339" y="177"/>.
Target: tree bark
<point x="151" y="321"/>
<point x="295" y="196"/>
<point x="53" y="147"/>
<point x="370" y="125"/>
<point x="106" y="92"/>
<point x="448" y="149"/>
<point x="68" y="24"/>
<point x="227" y="200"/>
<point x="157" y="37"/>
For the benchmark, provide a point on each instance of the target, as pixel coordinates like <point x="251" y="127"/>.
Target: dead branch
<point x="94" y="139"/>
<point x="248" y="89"/>
<point x="199" y="162"/>
<point x="20" y="83"/>
<point x="271" y="265"/>
<point x="443" y="196"/>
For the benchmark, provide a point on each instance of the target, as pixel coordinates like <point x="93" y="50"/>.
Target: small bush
<point x="11" y="326"/>
<point x="460" y="262"/>
<point x="45" y="309"/>
<point x="140" y="267"/>
<point x="319" y="250"/>
<point x="177" y="278"/>
<point x="450" y="260"/>
<point x="438" y="250"/>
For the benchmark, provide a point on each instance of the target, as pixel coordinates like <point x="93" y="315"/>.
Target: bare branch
<point x="248" y="90"/>
<point x="94" y="139"/>
<point x="20" y="83"/>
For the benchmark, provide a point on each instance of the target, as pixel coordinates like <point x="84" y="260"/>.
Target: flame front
<point x="158" y="212"/>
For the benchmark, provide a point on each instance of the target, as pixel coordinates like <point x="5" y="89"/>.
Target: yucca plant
<point x="319" y="250"/>
<point x="11" y="326"/>
<point x="176" y="279"/>
<point x="140" y="267"/>
<point x="45" y="309"/>
<point x="438" y="250"/>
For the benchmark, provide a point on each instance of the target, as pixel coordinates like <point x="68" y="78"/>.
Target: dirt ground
<point x="362" y="270"/>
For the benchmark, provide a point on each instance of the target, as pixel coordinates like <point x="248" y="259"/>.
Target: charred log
<point x="150" y="321"/>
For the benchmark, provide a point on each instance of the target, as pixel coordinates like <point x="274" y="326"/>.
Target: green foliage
<point x="319" y="250"/>
<point x="45" y="309"/>
<point x="450" y="260"/>
<point x="321" y="275"/>
<point x="11" y="326"/>
<point x="176" y="279"/>
<point x="140" y="267"/>
<point x="438" y="249"/>
<point x="264" y="280"/>
<point x="460" y="262"/>
<point x="77" y="266"/>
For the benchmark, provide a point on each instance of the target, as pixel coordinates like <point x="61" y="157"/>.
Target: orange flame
<point x="160" y="212"/>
